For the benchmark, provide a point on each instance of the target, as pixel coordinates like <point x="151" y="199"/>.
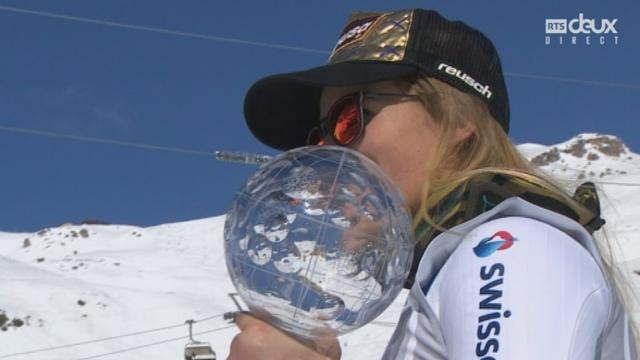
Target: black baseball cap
<point x="280" y="110"/>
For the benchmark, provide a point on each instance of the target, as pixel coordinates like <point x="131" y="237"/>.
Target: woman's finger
<point x="243" y="319"/>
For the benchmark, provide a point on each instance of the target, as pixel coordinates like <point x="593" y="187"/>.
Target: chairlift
<point x="197" y="350"/>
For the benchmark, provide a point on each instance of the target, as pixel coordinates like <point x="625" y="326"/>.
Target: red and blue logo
<point x="502" y="240"/>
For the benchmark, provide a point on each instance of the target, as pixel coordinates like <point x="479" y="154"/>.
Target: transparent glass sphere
<point x="318" y="241"/>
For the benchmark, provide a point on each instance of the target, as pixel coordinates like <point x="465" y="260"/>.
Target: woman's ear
<point x="464" y="132"/>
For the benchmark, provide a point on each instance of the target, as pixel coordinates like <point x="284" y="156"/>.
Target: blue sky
<point x="178" y="91"/>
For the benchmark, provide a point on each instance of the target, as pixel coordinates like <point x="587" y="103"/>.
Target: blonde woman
<point x="506" y="266"/>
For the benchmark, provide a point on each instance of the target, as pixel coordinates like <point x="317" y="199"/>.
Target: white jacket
<point x="516" y="282"/>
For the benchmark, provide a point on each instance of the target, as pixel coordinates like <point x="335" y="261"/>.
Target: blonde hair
<point x="487" y="149"/>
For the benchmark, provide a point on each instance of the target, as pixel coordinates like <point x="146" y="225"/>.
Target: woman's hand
<point x="259" y="340"/>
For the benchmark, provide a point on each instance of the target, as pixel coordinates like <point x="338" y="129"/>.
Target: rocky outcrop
<point x="594" y="146"/>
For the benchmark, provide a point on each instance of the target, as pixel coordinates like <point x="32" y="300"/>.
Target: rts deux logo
<point x="502" y="240"/>
<point x="580" y="30"/>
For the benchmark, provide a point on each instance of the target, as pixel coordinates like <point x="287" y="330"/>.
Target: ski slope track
<point x="76" y="283"/>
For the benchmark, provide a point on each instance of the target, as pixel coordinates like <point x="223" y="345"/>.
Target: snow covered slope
<point x="77" y="283"/>
<point x="606" y="161"/>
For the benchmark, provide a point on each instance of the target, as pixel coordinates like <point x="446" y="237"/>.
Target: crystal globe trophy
<point x="318" y="241"/>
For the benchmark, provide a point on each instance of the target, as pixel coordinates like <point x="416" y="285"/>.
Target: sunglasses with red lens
<point x="347" y="118"/>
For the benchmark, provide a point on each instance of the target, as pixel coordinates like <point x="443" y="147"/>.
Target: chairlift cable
<point x="4" y="356"/>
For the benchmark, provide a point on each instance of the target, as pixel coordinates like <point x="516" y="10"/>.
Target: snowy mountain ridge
<point x="76" y="283"/>
<point x="587" y="156"/>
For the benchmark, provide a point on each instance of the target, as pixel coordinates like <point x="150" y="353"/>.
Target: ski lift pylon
<point x="197" y="350"/>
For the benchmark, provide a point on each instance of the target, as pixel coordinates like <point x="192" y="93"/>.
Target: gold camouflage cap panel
<point x="369" y="36"/>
